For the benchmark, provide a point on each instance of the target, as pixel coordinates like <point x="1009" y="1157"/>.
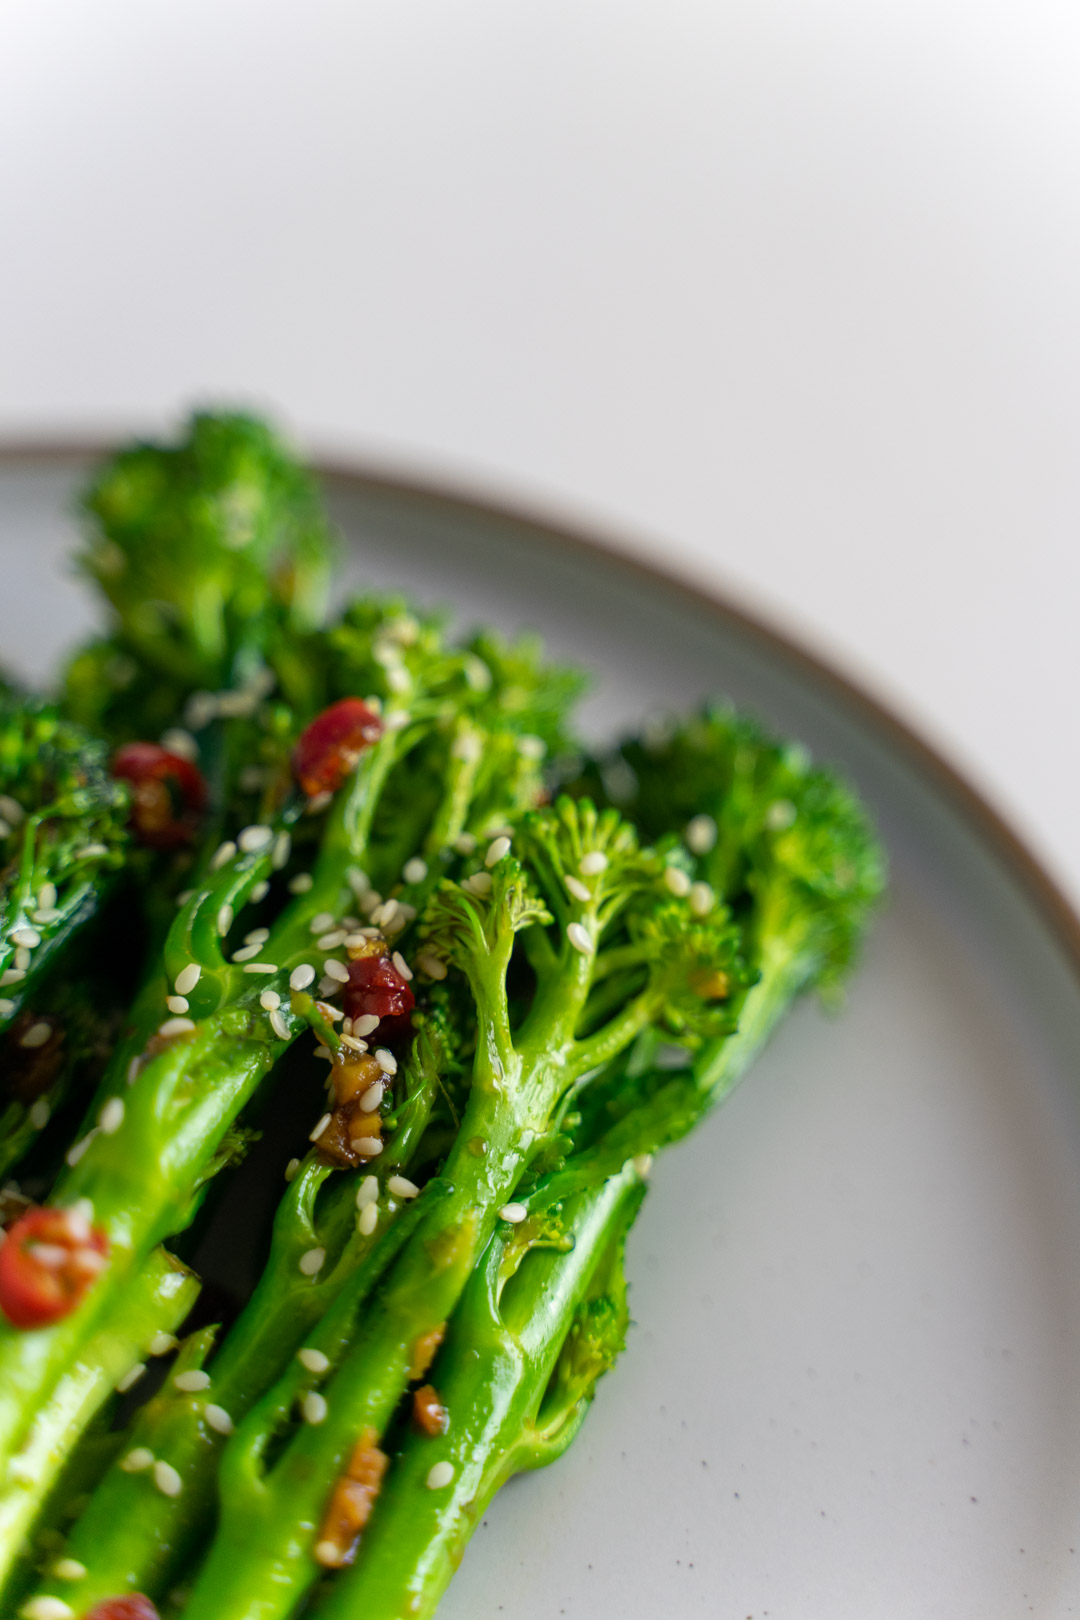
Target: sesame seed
<point x="386" y="915"/>
<point x="367" y="1192"/>
<point x="46" y="1608"/>
<point x="269" y="1000"/>
<point x="386" y="1060"/>
<point x="314" y="1407"/>
<point x="80" y="1214"/>
<point x="91" y="851"/>
<point x="11" y="809"/>
<point x="323" y="1052"/>
<point x="36" y="1035"/>
<point x="432" y="965"/>
<point x="331" y="941"/>
<point x="372" y="1097"/>
<point x="224" y="920"/>
<point x="184" y="896"/>
<point x="402" y="966"/>
<point x="677" y="881"/>
<point x="218" y="1418"/>
<point x="319" y="1128"/>
<point x="414" y="871"/>
<point x="162" y="1343"/>
<point x="260" y="967"/>
<point x="301" y="976"/>
<point x="282" y="851"/>
<point x="291" y="1168"/>
<point x="260" y="891"/>
<point x="465" y="843"/>
<point x="530" y="747"/>
<point x="370" y="902"/>
<point x="402" y="1187"/>
<point x="700" y="834"/>
<point x="333" y="1014"/>
<point x="177" y="1004"/>
<point x="39" y="1114"/>
<point x="336" y="970"/>
<point x="352" y="1043"/>
<point x="514" y="1213"/>
<point x="367" y="1147"/>
<point x="47" y="896"/>
<point x="75" y="1153"/>
<point x="22" y="958"/>
<point x="166" y="1478"/>
<point x="178" y="741"/>
<point x="191" y="1382"/>
<point x="701" y="899"/>
<point x="313" y="1360"/>
<point x="135" y="1068"/>
<point x="643" y="1164"/>
<point x="278" y="1024"/>
<point x="187" y="978"/>
<point x="368" y="1220"/>
<point x="137" y="1460"/>
<point x="366" y="1024"/>
<point x="496" y="850"/>
<point x="328" y="1554"/>
<point x="175" y="1026"/>
<point x="68" y="1569"/>
<point x="6" y="1007"/>
<point x="321" y="922"/>
<point x="780" y="815"/>
<point x="112" y="1116"/>
<point x="131" y="1377"/>
<point x="46" y="917"/>
<point x="12" y="976"/>
<point x="579" y="937"/>
<point x="592" y="864"/>
<point x="577" y="890"/>
<point x="257" y="936"/>
<point x="301" y="883"/>
<point x="29" y="937"/>
<point x="479" y="884"/>
<point x="439" y="1476"/>
<point x="255" y="838"/>
<point x="222" y="854"/>
<point x="311" y="1263"/>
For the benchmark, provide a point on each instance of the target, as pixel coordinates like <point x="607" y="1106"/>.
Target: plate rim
<point x="599" y="542"/>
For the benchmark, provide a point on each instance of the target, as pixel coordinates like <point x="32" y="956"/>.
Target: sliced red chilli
<point x="329" y="748"/>
<point x="168" y="794"/>
<point x="49" y="1259"/>
<point x="134" y="1607"/>
<point x="376" y="989"/>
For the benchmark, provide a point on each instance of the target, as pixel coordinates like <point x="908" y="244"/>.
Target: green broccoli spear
<point x="583" y="897"/>
<point x="478" y="767"/>
<point x="790" y="850"/>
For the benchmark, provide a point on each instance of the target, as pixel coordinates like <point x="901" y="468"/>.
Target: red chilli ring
<point x="168" y="794"/>
<point x="329" y="748"/>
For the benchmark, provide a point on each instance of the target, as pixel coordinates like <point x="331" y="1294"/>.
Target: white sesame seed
<point x="496" y="850"/>
<point x="177" y="1004"/>
<point x="75" y="1153"/>
<point x="479" y="884"/>
<point x="311" y="1263"/>
<point x="46" y="1608"/>
<point x="202" y="707"/>
<point x="260" y="891"/>
<point x="69" y="1569"/>
<point x="222" y="854"/>
<point x="386" y="1060"/>
<point x="112" y="1116"/>
<point x="331" y="941"/>
<point x="218" y="1418"/>
<point x="328" y="987"/>
<point x="701" y="899"/>
<point x="224" y="920"/>
<point x="366" y="1147"/>
<point x="321" y="922"/>
<point x="187" y="978"/>
<point x="365" y="1024"/>
<point x="6" y="1007"/>
<point x="333" y="1014"/>
<point x="39" y="1114"/>
<point x="367" y="1192"/>
<point x="47" y="896"/>
<point x="465" y="843"/>
<point x="301" y="976"/>
<point x="336" y="970"/>
<point x="319" y="1128"/>
<point x="178" y="741"/>
<point x="314" y="1407"/>
<point x="440" y="1475"/>
<point x="780" y="815"/>
<point x="137" y="1460"/>
<point x="370" y="902"/>
<point x="402" y="1187"/>
<point x="191" y="1382"/>
<point x="162" y="1343"/>
<point x="22" y="958"/>
<point x="352" y="1043"/>
<point x="372" y="1097"/>
<point x="11" y="809"/>
<point x="579" y="937"/>
<point x="387" y="916"/>
<point x="514" y="1213"/>
<point x="175" y="1026"/>
<point x="301" y="883"/>
<point x="36" y="1035"/>
<point x="255" y="838"/>
<point x="29" y="937"/>
<point x="700" y="834"/>
<point x="257" y="936"/>
<point x="415" y="871"/>
<point x="532" y="747"/>
<point x="260" y="967"/>
<point x="282" y="850"/>
<point x="430" y="964"/>
<point x="80" y="1217"/>
<point x="45" y="917"/>
<point x="166" y="1478"/>
<point x="131" y="1377"/>
<point x="291" y="1168"/>
<point x="577" y="889"/>
<point x="313" y="1360"/>
<point x="278" y="1024"/>
<point x="184" y="896"/>
<point x="269" y="1000"/>
<point x="92" y="851"/>
<point x="12" y="976"/>
<point x="643" y="1164"/>
<point x="368" y="1220"/>
<point x="593" y="863"/>
<point x="402" y="966"/>
<point x="677" y="881"/>
<point x="50" y="1255"/>
<point x="328" y="1554"/>
<point x="135" y="1068"/>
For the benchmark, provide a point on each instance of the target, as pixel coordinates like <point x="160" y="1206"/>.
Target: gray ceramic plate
<point x="853" y="1386"/>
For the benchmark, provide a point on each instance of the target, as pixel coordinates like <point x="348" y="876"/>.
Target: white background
<point x="784" y="292"/>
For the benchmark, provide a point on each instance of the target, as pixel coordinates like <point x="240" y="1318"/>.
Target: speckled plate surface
<point x="853" y="1385"/>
